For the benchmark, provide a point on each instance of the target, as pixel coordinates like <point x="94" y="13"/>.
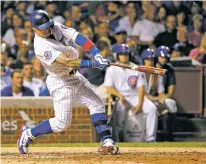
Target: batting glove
<point x="100" y="62"/>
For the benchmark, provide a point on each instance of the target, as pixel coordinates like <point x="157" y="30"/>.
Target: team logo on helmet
<point x="132" y="81"/>
<point x="47" y="55"/>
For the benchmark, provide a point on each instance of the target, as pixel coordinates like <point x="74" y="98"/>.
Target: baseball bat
<point x="152" y="70"/>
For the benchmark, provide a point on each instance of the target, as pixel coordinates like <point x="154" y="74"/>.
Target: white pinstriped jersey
<point x="48" y="49"/>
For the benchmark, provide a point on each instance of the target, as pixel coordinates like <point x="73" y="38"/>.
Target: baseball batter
<point x="53" y="46"/>
<point x="128" y="85"/>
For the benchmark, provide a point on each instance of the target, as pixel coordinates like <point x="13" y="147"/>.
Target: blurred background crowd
<point x="178" y="25"/>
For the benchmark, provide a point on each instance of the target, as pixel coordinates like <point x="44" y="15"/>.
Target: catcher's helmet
<point x="40" y="20"/>
<point x="122" y="49"/>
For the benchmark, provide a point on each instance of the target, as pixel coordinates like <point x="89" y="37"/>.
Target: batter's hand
<point x="101" y="62"/>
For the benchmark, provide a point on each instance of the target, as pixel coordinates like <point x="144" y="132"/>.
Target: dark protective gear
<point x="40" y="20"/>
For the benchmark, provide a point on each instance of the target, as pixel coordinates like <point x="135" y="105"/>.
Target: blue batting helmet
<point x="123" y="48"/>
<point x="162" y="51"/>
<point x="148" y="53"/>
<point x="40" y="20"/>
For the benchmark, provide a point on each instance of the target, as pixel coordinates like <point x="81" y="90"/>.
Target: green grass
<point x="139" y="144"/>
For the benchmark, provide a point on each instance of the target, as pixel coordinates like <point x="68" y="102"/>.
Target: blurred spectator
<point x="182" y="47"/>
<point x="204" y="15"/>
<point x="21" y="9"/>
<point x="76" y="15"/>
<point x="195" y="36"/>
<point x="162" y="15"/>
<point x="103" y="31"/>
<point x="135" y="56"/>
<point x="9" y="37"/>
<point x="16" y="89"/>
<point x="120" y="36"/>
<point x="169" y="37"/>
<point x="113" y="14"/>
<point x="194" y="9"/>
<point x="181" y="19"/>
<point x="95" y="75"/>
<point x="5" y="71"/>
<point x="22" y="56"/>
<point x="6" y="22"/>
<point x="128" y="21"/>
<point x="177" y="7"/>
<point x="53" y="12"/>
<point x="29" y="81"/>
<point x="145" y="31"/>
<point x="199" y="53"/>
<point x="29" y="31"/>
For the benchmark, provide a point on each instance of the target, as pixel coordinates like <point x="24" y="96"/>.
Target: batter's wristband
<point x="88" y="64"/>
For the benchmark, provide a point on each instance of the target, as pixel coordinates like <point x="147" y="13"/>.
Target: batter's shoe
<point x="109" y="147"/>
<point x="25" y="139"/>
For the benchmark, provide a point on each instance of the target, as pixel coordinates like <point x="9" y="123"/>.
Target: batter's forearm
<point x="86" y="44"/>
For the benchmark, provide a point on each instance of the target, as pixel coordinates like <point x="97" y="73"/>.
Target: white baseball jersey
<point x="48" y="49"/>
<point x="126" y="81"/>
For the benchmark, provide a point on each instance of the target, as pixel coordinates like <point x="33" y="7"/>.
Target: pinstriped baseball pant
<point x="64" y="91"/>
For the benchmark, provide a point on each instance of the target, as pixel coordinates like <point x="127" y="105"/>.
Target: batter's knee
<point x="59" y="125"/>
<point x="171" y="104"/>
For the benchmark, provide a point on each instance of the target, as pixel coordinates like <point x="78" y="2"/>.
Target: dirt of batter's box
<point x="89" y="155"/>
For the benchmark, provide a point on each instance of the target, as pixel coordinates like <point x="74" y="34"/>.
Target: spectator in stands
<point x="180" y="19"/>
<point x="162" y="55"/>
<point x="21" y="9"/>
<point x="161" y="15"/>
<point x="145" y="31"/>
<point x="194" y="10"/>
<point x="9" y="37"/>
<point x="5" y="71"/>
<point x="16" y="89"/>
<point x="177" y="7"/>
<point x="204" y="15"/>
<point x="6" y="21"/>
<point x="29" y="31"/>
<point x="113" y="14"/>
<point x="103" y="31"/>
<point x="199" y="53"/>
<point x="29" y="81"/>
<point x="169" y="37"/>
<point x="135" y="56"/>
<point x="22" y="56"/>
<point x="182" y="47"/>
<point x="127" y="22"/>
<point x="194" y="37"/>
<point x="95" y="75"/>
<point x="120" y="36"/>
